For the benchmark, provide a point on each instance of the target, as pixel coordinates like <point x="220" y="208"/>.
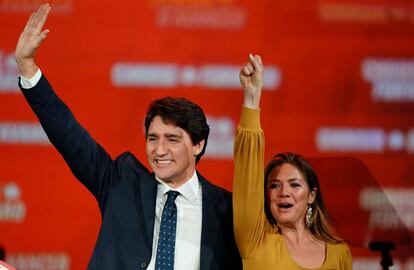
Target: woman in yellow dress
<point x="280" y="221"/>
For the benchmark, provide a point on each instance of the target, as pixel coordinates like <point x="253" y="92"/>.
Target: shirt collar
<point x="189" y="190"/>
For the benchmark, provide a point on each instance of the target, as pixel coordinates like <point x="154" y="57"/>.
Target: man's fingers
<point x="29" y="23"/>
<point x="37" y="19"/>
<point x="36" y="16"/>
<point x="33" y="34"/>
<point x="43" y="35"/>
<point x="41" y="17"/>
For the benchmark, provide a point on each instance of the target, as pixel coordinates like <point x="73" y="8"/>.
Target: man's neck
<point x="176" y="184"/>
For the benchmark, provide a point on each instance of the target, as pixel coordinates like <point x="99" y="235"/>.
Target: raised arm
<point x="30" y="40"/>
<point x="88" y="160"/>
<point x="248" y="191"/>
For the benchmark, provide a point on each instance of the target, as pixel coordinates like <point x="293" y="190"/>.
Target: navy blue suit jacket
<point x="126" y="193"/>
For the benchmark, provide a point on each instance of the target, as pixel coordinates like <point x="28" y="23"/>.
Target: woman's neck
<point x="296" y="234"/>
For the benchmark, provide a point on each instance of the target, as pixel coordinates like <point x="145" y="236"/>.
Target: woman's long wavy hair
<point x="322" y="224"/>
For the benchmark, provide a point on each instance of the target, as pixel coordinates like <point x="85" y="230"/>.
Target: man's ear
<point x="197" y="148"/>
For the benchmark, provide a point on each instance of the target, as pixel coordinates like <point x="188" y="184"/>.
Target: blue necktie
<point x="166" y="237"/>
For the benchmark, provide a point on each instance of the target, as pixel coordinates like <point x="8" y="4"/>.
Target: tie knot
<point x="172" y="195"/>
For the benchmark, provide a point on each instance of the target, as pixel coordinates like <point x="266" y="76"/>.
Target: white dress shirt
<point x="31" y="82"/>
<point x="189" y="217"/>
<point x="189" y="213"/>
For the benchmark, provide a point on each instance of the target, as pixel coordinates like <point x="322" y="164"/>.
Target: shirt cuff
<point x="30" y="83"/>
<point x="250" y="119"/>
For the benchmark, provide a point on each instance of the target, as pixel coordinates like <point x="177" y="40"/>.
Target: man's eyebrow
<point x="152" y="134"/>
<point x="167" y="135"/>
<point x="170" y="135"/>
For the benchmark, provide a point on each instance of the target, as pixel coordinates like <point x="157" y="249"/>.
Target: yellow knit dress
<point x="260" y="246"/>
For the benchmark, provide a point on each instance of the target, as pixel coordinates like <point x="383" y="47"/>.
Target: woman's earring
<point x="308" y="216"/>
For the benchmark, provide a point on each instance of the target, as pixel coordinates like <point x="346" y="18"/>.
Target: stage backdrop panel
<point x="339" y="89"/>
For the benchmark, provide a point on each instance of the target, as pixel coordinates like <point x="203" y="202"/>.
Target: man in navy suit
<point x="130" y="198"/>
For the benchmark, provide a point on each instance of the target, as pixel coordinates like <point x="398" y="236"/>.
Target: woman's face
<point x="289" y="195"/>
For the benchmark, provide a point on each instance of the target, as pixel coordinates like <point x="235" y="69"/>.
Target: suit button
<point x="143" y="265"/>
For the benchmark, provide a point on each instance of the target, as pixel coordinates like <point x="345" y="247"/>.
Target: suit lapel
<point x="148" y="188"/>
<point x="210" y="224"/>
<point x="211" y="216"/>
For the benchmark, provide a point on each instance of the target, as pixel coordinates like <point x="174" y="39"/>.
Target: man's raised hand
<point x="30" y="40"/>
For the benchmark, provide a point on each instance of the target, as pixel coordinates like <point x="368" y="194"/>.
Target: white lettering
<point x="350" y="139"/>
<point x="392" y="79"/>
<point x="41" y="261"/>
<point x="221" y="138"/>
<point x="389" y="208"/>
<point x="202" y="17"/>
<point x="211" y="76"/>
<point x="22" y="133"/>
<point x="12" y="211"/>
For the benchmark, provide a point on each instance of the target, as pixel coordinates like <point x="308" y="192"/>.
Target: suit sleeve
<point x="89" y="162"/>
<point x="248" y="188"/>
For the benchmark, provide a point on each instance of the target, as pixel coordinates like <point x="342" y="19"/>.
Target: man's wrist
<point x="27" y="67"/>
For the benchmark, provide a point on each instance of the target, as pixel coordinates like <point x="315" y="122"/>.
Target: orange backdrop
<point x="339" y="90"/>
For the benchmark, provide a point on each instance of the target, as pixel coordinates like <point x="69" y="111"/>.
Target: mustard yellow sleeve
<point x="346" y="263"/>
<point x="248" y="185"/>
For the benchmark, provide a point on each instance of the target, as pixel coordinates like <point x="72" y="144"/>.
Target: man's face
<point x="170" y="152"/>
